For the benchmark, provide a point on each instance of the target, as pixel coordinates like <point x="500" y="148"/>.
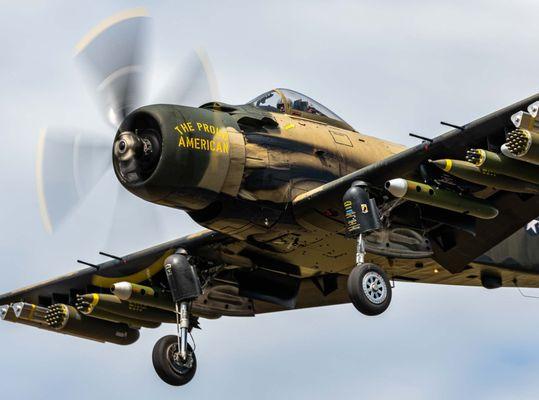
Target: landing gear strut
<point x="368" y="285"/>
<point x="173" y="358"/>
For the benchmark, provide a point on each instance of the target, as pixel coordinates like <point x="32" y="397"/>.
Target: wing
<point x="454" y="247"/>
<point x="239" y="279"/>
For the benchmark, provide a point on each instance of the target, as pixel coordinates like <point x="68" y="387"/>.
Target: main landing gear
<point x="368" y="284"/>
<point x="170" y="365"/>
<point x="173" y="358"/>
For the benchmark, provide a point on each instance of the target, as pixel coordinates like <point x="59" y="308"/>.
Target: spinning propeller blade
<point x="114" y="58"/>
<point x="68" y="166"/>
<point x="192" y="83"/>
<point x="70" y="163"/>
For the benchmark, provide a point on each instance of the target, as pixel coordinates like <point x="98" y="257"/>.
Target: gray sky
<point x="388" y="68"/>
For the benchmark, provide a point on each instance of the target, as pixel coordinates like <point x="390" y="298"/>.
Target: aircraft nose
<point x="136" y="154"/>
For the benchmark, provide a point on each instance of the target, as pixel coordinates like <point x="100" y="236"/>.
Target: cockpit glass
<point x="270" y="101"/>
<point x="300" y="102"/>
<point x="297" y="103"/>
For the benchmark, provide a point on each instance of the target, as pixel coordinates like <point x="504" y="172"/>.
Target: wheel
<point x="169" y="365"/>
<point x="369" y="289"/>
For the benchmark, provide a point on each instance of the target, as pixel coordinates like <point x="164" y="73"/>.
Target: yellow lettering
<point x="219" y="146"/>
<point x="190" y="125"/>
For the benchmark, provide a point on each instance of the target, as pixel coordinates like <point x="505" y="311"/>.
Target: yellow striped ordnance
<point x="144" y="295"/>
<point x="214" y="302"/>
<point x="522" y="144"/>
<point x="29" y="312"/>
<point x="66" y="319"/>
<point x="147" y="296"/>
<point x="472" y="173"/>
<point x="426" y="194"/>
<point x="7" y="313"/>
<point x="500" y="164"/>
<point x="132" y="322"/>
<point x="111" y="304"/>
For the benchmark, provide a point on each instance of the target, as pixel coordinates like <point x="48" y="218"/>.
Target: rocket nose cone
<point x="122" y="290"/>
<point x="17" y="308"/>
<point x="444" y="164"/>
<point x="3" y="311"/>
<point x="397" y="187"/>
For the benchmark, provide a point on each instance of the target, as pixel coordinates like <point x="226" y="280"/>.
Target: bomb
<point x="472" y="173"/>
<point x="66" y="319"/>
<point x="501" y="164"/>
<point x="109" y="303"/>
<point x="523" y="145"/>
<point x="448" y="200"/>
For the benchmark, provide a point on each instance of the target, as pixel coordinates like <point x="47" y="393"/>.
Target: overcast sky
<point x="388" y="68"/>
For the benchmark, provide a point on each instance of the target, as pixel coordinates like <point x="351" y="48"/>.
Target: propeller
<point x="113" y="56"/>
<point x="70" y="163"/>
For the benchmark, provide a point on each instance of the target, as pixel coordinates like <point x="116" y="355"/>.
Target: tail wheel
<point x="168" y="363"/>
<point x="369" y="289"/>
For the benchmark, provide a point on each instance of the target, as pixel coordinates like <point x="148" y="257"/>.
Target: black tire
<point x="168" y="370"/>
<point x="373" y="302"/>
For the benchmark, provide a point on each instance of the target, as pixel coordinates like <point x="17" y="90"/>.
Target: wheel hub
<point x="374" y="287"/>
<point x="179" y="365"/>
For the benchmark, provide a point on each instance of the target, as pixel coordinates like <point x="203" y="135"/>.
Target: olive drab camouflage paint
<point x="268" y="180"/>
<point x="301" y="210"/>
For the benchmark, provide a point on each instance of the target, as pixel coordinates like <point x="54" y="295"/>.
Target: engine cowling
<point x="178" y="156"/>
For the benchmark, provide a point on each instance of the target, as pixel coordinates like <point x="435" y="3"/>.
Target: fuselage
<point x="236" y="172"/>
<point x="237" y="169"/>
